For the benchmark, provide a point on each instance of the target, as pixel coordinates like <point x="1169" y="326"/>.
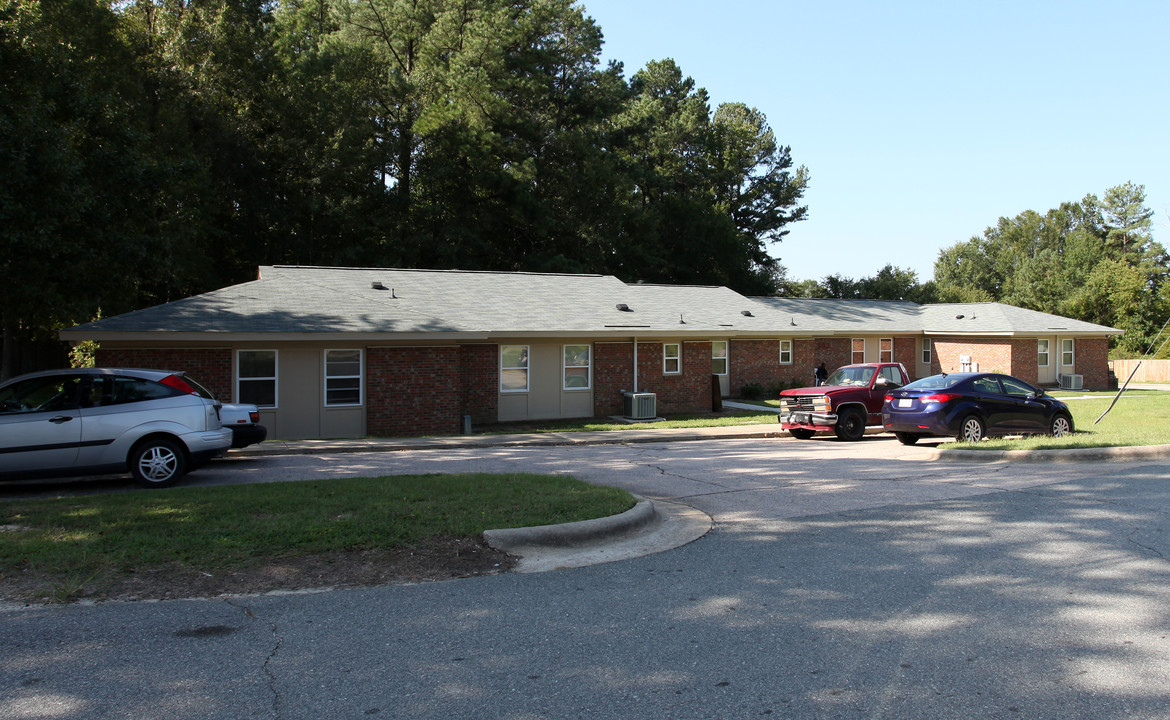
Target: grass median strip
<point x="221" y="529"/>
<point x="1135" y="420"/>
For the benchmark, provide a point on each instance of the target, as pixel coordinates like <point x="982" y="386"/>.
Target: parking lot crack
<point x="266" y="667"/>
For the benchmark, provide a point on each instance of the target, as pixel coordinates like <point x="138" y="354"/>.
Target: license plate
<point x="800" y="418"/>
<point x="905" y="402"/>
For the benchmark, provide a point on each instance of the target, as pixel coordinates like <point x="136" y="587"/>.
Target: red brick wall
<point x="212" y="367"/>
<point x="613" y="372"/>
<point x="1092" y="361"/>
<point x="479" y="382"/>
<point x="834" y="352"/>
<point x="413" y="391"/>
<point x="906" y="352"/>
<point x="688" y="392"/>
<point x="754" y="361"/>
<point x="1013" y="356"/>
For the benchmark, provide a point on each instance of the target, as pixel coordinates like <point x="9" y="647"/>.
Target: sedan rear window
<point x="936" y="382"/>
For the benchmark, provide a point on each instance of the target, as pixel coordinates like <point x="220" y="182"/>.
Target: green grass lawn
<point x="219" y="529"/>
<point x="1139" y="418"/>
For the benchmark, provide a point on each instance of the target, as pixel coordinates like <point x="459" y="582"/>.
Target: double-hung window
<point x="1066" y="353"/>
<point x="886" y="352"/>
<point x="1042" y="353"/>
<point x="785" y="352"/>
<point x="256" y="377"/>
<point x="719" y="357"/>
<point x="671" y="358"/>
<point x="513" y="368"/>
<point x="858" y="351"/>
<point x="577" y="367"/>
<point x="925" y="351"/>
<point x="343" y="378"/>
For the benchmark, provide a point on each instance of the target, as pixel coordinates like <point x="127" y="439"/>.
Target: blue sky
<point x="923" y="123"/>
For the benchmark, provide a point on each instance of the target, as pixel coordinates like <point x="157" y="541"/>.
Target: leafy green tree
<point x="1092" y="260"/>
<point x="77" y="180"/>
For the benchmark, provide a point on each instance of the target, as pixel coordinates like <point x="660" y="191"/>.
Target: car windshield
<point x="851" y="376"/>
<point x="936" y="382"/>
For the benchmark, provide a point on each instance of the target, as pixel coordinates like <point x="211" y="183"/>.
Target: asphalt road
<point x="839" y="581"/>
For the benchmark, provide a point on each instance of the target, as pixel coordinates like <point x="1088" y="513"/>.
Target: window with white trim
<point x="343" y="378"/>
<point x="1042" y="353"/>
<point x="513" y="368"/>
<point x="926" y="351"/>
<point x="671" y="358"/>
<point x="858" y="351"/>
<point x="256" y="377"/>
<point x="886" y="350"/>
<point x="719" y="357"/>
<point x="1066" y="353"/>
<point x="785" y="352"/>
<point x="578" y="367"/>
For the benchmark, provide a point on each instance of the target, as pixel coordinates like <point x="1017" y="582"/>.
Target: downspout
<point x="635" y="363"/>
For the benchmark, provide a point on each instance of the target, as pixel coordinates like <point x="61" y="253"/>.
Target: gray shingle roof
<point x="315" y="300"/>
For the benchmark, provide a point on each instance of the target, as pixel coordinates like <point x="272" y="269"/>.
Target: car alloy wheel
<point x="1061" y="426"/>
<point x="158" y="463"/>
<point x="972" y="430"/>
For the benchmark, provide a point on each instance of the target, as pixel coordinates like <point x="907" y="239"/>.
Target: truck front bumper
<point x="806" y="419"/>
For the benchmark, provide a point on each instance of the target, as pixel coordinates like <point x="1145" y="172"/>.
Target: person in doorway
<point x="821" y="374"/>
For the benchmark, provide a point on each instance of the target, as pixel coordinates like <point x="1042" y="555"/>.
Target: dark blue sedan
<point x="972" y="406"/>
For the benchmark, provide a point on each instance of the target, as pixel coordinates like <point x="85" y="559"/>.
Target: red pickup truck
<point x="849" y="400"/>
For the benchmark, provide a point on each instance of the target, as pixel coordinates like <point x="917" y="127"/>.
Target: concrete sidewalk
<point x="640" y="434"/>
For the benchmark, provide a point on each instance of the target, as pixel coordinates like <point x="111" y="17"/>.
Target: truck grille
<point x="799" y="403"/>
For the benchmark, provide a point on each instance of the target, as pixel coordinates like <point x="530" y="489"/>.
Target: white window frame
<point x="360" y="377"/>
<point x="724" y="357"/>
<point x="785" y="352"/>
<point x="240" y="379"/>
<point x="526" y="352"/>
<point x="1046" y="353"/>
<point x="1070" y="353"/>
<point x="565" y="367"/>
<point x="926" y="351"/>
<point x="853" y="351"/>
<point x="882" y="353"/>
<point x="676" y="357"/>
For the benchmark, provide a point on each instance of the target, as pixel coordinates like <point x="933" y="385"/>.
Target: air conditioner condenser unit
<point x="640" y="406"/>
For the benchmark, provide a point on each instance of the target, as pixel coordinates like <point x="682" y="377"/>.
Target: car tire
<point x="972" y="429"/>
<point x="802" y="433"/>
<point x="850" y="425"/>
<point x="1061" y="425"/>
<point x="907" y="438"/>
<point x="158" y="463"/>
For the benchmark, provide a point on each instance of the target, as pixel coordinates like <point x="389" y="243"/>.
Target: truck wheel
<point x="850" y="425"/>
<point x="802" y="433"/>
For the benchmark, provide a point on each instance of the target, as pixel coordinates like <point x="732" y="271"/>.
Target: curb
<point x="574" y="534"/>
<point x="1071" y="455"/>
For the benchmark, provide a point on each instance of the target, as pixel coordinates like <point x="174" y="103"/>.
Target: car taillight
<point x="254" y="416"/>
<point x="889" y="398"/>
<point x="179" y="384"/>
<point x="937" y="398"/>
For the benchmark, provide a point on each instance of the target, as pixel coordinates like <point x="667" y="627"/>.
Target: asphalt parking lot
<point x="839" y="581"/>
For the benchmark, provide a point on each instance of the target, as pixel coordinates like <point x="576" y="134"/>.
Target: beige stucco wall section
<point x="546" y="398"/>
<point x="301" y="411"/>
